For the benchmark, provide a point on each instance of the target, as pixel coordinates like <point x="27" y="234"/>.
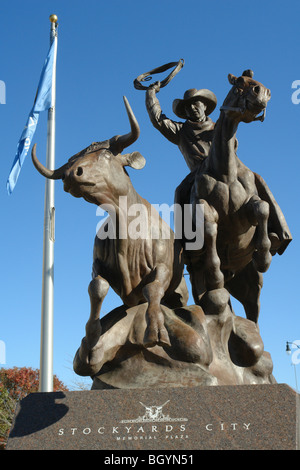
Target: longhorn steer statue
<point x="146" y="269"/>
<point x="237" y="240"/>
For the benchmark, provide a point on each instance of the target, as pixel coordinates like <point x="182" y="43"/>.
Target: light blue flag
<point x="43" y="101"/>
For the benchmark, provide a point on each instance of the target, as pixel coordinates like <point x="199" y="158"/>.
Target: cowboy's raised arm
<point x="167" y="127"/>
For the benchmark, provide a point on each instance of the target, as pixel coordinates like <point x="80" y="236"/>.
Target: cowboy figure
<point x="194" y="136"/>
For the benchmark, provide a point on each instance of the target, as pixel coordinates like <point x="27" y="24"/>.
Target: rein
<point x="242" y="110"/>
<point x="145" y="77"/>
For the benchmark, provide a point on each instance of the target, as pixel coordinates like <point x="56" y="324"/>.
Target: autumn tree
<point x="15" y="384"/>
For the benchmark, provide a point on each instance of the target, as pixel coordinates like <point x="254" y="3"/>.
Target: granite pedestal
<point x="246" y="417"/>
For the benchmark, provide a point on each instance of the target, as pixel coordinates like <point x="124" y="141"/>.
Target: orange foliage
<point x="15" y="384"/>
<point x="19" y="382"/>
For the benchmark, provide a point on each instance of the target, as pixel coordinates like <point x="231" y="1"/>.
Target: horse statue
<point x="238" y="205"/>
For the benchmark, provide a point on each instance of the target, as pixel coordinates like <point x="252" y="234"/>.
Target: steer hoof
<point x="156" y="333"/>
<point x="154" y="337"/>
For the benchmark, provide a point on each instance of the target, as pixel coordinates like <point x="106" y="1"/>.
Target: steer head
<point x="247" y="98"/>
<point x="98" y="173"/>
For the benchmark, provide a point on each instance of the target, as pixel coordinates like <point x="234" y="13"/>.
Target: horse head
<point x="246" y="99"/>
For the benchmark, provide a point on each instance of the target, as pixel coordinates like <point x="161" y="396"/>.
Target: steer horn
<point x="51" y="174"/>
<point x="123" y="141"/>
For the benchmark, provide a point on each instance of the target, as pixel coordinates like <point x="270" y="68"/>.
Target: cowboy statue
<point x="194" y="137"/>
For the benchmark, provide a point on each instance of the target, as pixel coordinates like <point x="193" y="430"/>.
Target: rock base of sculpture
<point x="210" y="345"/>
<point x="248" y="417"/>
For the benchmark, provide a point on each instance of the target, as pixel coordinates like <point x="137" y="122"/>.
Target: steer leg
<point x="258" y="214"/>
<point x="97" y="289"/>
<point x="85" y="361"/>
<point x="153" y="292"/>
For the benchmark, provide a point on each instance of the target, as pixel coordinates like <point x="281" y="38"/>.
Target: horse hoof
<point x="262" y="263"/>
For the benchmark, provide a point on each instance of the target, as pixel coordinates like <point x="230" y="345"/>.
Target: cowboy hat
<point x="206" y="96"/>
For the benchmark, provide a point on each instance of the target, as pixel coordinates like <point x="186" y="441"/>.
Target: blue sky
<point x="103" y="46"/>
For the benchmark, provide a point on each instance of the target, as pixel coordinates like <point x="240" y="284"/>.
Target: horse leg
<point x="153" y="292"/>
<point x="214" y="278"/>
<point x="197" y="279"/>
<point x="245" y="286"/>
<point x="204" y="269"/>
<point x="258" y="213"/>
<point x="179" y="297"/>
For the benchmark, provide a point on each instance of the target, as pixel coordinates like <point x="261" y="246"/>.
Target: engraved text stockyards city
<point x="143" y="427"/>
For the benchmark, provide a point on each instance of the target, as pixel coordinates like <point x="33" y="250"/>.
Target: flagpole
<point x="46" y="351"/>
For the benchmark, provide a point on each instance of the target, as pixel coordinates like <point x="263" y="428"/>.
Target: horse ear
<point x="134" y="159"/>
<point x="231" y="78"/>
<point x="248" y="73"/>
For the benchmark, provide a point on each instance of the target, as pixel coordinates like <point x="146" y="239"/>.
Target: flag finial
<point x="53" y="18"/>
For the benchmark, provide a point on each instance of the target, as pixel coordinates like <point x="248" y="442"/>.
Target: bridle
<point x="241" y="110"/>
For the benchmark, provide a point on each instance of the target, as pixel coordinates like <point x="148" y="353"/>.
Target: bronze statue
<point x="155" y="339"/>
<point x="148" y="268"/>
